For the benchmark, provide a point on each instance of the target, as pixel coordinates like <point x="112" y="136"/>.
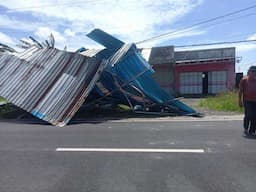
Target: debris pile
<point x="52" y="84"/>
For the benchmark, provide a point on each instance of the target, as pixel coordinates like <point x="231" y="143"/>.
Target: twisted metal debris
<point x="52" y="84"/>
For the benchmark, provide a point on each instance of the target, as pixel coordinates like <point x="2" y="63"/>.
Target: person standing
<point x="247" y="99"/>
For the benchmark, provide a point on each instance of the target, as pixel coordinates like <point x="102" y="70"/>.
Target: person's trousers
<point x="250" y="116"/>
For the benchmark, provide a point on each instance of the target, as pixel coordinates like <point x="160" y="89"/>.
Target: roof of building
<point x="204" y="54"/>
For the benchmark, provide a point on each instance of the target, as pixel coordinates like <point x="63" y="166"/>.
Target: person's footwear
<point x="251" y="133"/>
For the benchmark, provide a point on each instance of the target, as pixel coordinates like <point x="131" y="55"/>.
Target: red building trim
<point x="225" y="65"/>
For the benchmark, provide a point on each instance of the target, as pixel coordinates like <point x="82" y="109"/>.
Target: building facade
<point x="205" y="72"/>
<point x="197" y="72"/>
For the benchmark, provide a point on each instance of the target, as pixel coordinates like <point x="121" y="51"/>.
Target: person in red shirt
<point x="247" y="99"/>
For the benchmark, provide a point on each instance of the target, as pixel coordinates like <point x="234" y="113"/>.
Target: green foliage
<point x="227" y="101"/>
<point x="2" y="99"/>
<point x="7" y="109"/>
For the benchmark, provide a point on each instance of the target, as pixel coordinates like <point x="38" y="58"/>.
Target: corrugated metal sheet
<point x="50" y="84"/>
<point x="98" y="53"/>
<point x="91" y="52"/>
<point x="108" y="41"/>
<point x="163" y="63"/>
<point x="6" y="48"/>
<point x="129" y="67"/>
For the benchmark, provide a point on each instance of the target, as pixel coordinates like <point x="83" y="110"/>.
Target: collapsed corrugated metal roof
<point x="130" y="76"/>
<point x="6" y="48"/>
<point x="50" y="84"/>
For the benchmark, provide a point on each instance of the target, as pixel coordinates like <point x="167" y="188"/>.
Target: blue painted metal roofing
<point x="128" y="65"/>
<point x="108" y="41"/>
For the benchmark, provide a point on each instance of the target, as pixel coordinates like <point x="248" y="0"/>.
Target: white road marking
<point x="130" y="150"/>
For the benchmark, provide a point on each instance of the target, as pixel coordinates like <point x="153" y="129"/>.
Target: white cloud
<point x="5" y="39"/>
<point x="245" y="47"/>
<point x="64" y="39"/>
<point x="133" y="20"/>
<point x="11" y="23"/>
<point x="252" y="37"/>
<point x="69" y="33"/>
<point x="188" y="33"/>
<point x="113" y="12"/>
<point x="43" y="33"/>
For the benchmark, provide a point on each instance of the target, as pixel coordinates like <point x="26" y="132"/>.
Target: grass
<point x="227" y="101"/>
<point x="2" y="99"/>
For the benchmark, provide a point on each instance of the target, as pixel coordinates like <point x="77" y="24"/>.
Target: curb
<point x="166" y="119"/>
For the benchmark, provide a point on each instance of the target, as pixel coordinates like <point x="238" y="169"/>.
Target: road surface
<point x="146" y="156"/>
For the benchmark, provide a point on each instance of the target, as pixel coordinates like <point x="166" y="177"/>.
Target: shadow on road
<point x="249" y="136"/>
<point x="84" y="118"/>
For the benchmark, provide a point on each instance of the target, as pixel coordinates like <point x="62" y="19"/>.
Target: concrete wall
<point x="165" y="76"/>
<point x="161" y="55"/>
<point x="208" y="54"/>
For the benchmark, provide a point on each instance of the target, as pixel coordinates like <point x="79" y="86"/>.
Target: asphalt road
<point x="29" y="161"/>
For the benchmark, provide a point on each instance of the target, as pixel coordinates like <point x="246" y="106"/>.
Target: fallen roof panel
<point x="129" y="67"/>
<point x="108" y="41"/>
<point x="50" y="84"/>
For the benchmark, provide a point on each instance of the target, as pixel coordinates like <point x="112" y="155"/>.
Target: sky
<point x="133" y="21"/>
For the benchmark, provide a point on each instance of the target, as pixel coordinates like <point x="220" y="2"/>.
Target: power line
<point x="211" y="25"/>
<point x="240" y="35"/>
<point x="231" y="19"/>
<point x="218" y="43"/>
<point x="196" y="24"/>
